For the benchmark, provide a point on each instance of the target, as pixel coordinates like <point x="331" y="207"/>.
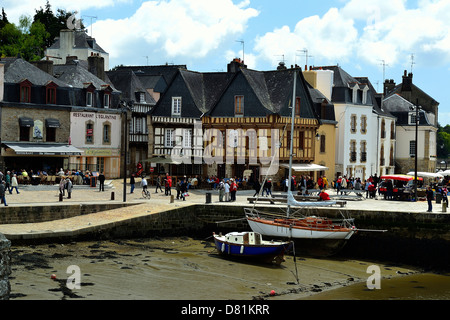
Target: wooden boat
<point x="250" y="245"/>
<point x="310" y="227"/>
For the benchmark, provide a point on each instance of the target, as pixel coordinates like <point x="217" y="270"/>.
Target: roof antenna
<point x="242" y="41"/>
<point x="92" y="17"/>
<point x="412" y="62"/>
<point x="383" y="63"/>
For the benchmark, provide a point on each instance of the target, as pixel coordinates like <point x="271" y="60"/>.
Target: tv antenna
<point x="242" y="41"/>
<point x="412" y="62"/>
<point x="92" y="17"/>
<point x="305" y="52"/>
<point x="384" y="64"/>
<point x="146" y="58"/>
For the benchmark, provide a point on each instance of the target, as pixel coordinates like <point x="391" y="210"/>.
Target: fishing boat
<point x="295" y="225"/>
<point x="250" y="245"/>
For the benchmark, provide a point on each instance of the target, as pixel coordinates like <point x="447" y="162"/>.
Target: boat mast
<point x="294" y="94"/>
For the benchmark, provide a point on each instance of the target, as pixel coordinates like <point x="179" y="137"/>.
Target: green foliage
<point x="32" y="36"/>
<point x="443" y="142"/>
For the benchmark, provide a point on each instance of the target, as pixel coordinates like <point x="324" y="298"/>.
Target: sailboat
<point x="304" y="227"/>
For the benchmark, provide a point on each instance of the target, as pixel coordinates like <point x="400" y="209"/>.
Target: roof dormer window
<point x="50" y="92"/>
<point x="25" y="91"/>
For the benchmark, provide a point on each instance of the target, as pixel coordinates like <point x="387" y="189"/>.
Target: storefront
<point x="49" y="157"/>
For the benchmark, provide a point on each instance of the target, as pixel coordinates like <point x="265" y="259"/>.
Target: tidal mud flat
<point x="179" y="268"/>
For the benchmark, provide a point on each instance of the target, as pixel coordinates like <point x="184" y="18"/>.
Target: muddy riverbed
<point x="175" y="269"/>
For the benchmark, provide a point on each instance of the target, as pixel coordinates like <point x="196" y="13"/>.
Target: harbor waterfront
<point x="155" y="249"/>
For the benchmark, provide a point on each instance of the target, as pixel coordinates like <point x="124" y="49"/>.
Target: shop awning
<point x="26" y="122"/>
<point x="305" y="167"/>
<point x="37" y="149"/>
<point x="52" y="123"/>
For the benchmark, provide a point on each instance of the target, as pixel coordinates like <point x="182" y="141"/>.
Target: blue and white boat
<point x="250" y="245"/>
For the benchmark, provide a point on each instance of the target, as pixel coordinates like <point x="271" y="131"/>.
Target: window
<point x="297" y="106"/>
<point x="413" y="118"/>
<point x="412" y="148"/>
<point x="142" y="97"/>
<point x="187" y="138"/>
<point x="239" y="105"/>
<point x="301" y="140"/>
<point x="363" y="124"/>
<point x="24" y="133"/>
<point x="176" y="106"/>
<point x="107" y="133"/>
<point x="50" y="134"/>
<point x="352" y="151"/>
<point x="51" y="95"/>
<point x="363" y="151"/>
<point x="89" y="99"/>
<point x="89" y="132"/>
<point x="383" y="129"/>
<point x="106" y="100"/>
<point x="25" y="91"/>
<point x="169" y="138"/>
<point x="353" y="124"/>
<point x="322" y="143"/>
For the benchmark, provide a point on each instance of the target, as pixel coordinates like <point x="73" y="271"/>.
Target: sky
<point x="377" y="39"/>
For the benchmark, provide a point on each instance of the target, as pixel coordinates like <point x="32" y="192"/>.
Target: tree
<point x="53" y="23"/>
<point x="443" y="142"/>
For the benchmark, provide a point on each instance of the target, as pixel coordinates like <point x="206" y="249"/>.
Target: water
<point x="187" y="269"/>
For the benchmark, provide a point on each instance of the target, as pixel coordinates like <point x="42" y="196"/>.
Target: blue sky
<point x="203" y="34"/>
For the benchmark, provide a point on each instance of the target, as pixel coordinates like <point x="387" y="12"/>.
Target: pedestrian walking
<point x="101" y="181"/>
<point x="62" y="186"/>
<point x="69" y="187"/>
<point x="2" y="192"/>
<point x="132" y="183"/>
<point x="8" y="181"/>
<point x="158" y="184"/>
<point x="14" y="184"/>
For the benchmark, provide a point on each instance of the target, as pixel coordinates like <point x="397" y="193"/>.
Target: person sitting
<point x="324" y="196"/>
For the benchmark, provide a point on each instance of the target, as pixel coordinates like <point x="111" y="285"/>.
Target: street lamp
<point x="125" y="107"/>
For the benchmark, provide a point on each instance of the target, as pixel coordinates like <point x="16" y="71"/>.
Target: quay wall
<point x="36" y="214"/>
<point x="413" y="238"/>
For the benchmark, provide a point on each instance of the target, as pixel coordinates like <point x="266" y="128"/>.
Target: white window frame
<point x="106" y="100"/>
<point x="187" y="138"/>
<point x="176" y="106"/>
<point x="168" y="138"/>
<point x="89" y="99"/>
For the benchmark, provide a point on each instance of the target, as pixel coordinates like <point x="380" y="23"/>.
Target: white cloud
<point x="331" y="37"/>
<point x="366" y="31"/>
<point x="174" y="28"/>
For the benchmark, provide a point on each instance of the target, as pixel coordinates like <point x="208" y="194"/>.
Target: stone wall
<point x="35" y="214"/>
<point x="5" y="267"/>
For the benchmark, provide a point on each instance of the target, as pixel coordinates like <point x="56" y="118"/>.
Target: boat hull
<point x="282" y="230"/>
<point x="264" y="252"/>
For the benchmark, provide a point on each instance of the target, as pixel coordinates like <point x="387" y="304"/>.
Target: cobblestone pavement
<point x="49" y="196"/>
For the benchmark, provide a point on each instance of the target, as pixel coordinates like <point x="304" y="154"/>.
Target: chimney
<point x="235" y="65"/>
<point x="44" y="65"/>
<point x="388" y="86"/>
<point x="96" y="65"/>
<point x="407" y="81"/>
<point x="281" y="66"/>
<point x="71" y="59"/>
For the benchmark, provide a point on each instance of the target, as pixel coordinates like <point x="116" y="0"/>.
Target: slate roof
<point x="17" y="69"/>
<point x="76" y="76"/>
<point x="168" y="72"/>
<point x="205" y="88"/>
<point x="128" y="83"/>
<point x="401" y="108"/>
